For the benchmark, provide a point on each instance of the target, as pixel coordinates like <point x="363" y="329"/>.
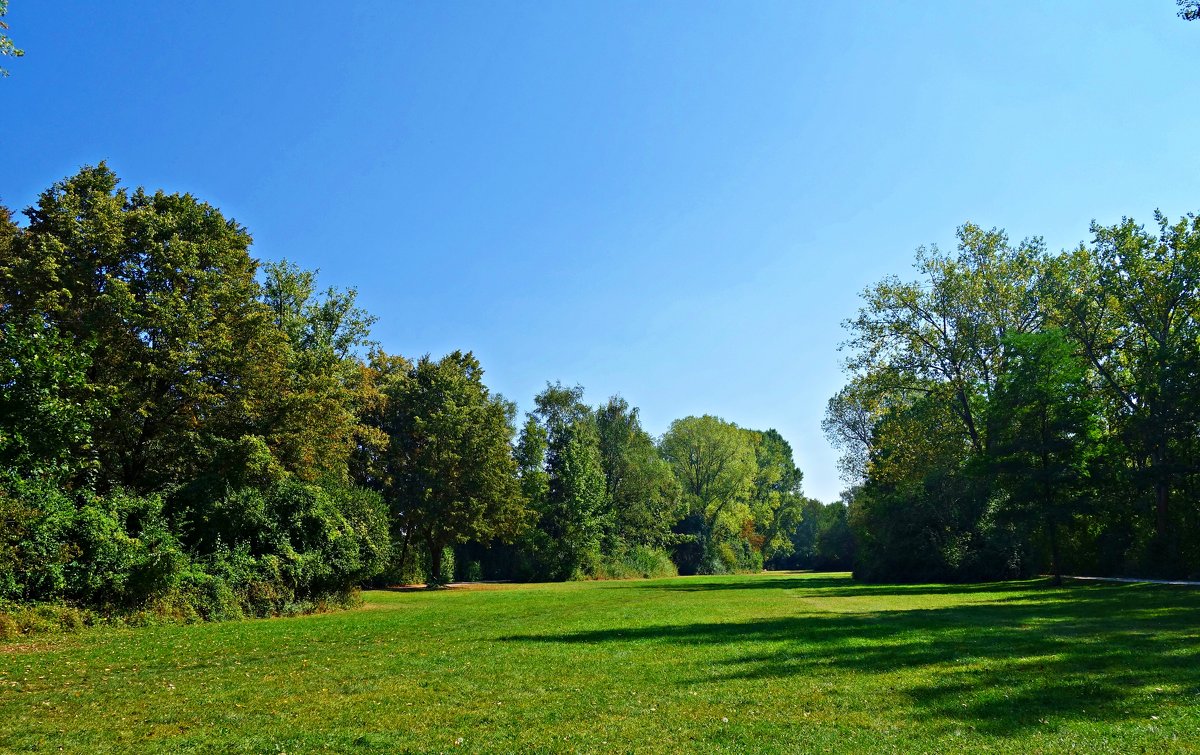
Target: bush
<point x="291" y="541"/>
<point x="290" y="548"/>
<point x="112" y="552"/>
<point x="9" y="629"/>
<point x="637" y="561"/>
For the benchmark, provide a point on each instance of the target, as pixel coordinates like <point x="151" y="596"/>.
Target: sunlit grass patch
<point x="766" y="663"/>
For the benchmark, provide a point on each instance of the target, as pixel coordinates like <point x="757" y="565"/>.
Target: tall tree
<point x="640" y="488"/>
<point x="1130" y="302"/>
<point x="1048" y="433"/>
<point x="715" y="464"/>
<point x="159" y="291"/>
<point x="944" y="334"/>
<point x="312" y="423"/>
<point x="573" y="512"/>
<point x="451" y="470"/>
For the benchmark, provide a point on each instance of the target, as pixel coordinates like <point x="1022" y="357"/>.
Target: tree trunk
<point x="1162" y="498"/>
<point x="404" y="553"/>
<point x="435" y="566"/>
<point x="1055" y="563"/>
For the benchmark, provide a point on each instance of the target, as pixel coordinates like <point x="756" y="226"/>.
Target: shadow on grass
<point x="834" y="586"/>
<point x="1005" y="665"/>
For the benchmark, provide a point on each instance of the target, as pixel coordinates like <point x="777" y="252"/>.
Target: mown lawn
<point x="771" y="663"/>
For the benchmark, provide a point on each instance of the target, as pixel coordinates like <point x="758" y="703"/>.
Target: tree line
<point x="189" y="430"/>
<point x="1012" y="411"/>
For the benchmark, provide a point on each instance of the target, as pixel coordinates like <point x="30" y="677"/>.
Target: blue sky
<point x="674" y="201"/>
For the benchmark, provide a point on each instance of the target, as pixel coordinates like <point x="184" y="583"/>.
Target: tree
<point x="715" y="464"/>
<point x="777" y="491"/>
<point x="914" y="422"/>
<point x="640" y="489"/>
<point x="1048" y="430"/>
<point x="1189" y="10"/>
<point x="311" y="422"/>
<point x="945" y="334"/>
<point x="451" y="470"/>
<point x="833" y="546"/>
<point x="572" y="518"/>
<point x="1129" y="300"/>
<point x="158" y="291"/>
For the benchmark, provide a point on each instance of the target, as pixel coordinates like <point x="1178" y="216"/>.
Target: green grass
<point x="781" y="662"/>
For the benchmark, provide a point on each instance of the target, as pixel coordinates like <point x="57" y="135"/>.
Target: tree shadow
<point x="834" y="586"/>
<point x="1001" y="666"/>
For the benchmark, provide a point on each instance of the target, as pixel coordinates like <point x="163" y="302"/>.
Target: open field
<point x="778" y="662"/>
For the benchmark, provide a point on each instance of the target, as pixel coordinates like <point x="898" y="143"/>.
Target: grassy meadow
<point x="783" y="662"/>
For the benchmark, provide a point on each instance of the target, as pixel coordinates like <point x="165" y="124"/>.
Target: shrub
<point x="112" y="551"/>
<point x="8" y="627"/>
<point x="631" y="562"/>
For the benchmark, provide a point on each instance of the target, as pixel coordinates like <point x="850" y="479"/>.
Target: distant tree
<point x="641" y="490"/>
<point x="573" y="513"/>
<point x="1189" y="10"/>
<point x="777" y="491"/>
<point x="450" y="466"/>
<point x="834" y="547"/>
<point x="7" y="47"/>
<point x="715" y="463"/>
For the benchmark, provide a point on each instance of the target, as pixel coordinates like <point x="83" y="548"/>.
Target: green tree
<point x="715" y="464"/>
<point x="944" y="334"/>
<point x="777" y="491"/>
<point x="834" y="546"/>
<point x="451" y="470"/>
<point x="1048" y="432"/>
<point x="159" y="291"/>
<point x="572" y="519"/>
<point x="312" y="421"/>
<point x="1129" y="301"/>
<point x="926" y="359"/>
<point x="640" y="488"/>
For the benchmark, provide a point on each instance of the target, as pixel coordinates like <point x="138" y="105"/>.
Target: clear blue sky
<point x="676" y="201"/>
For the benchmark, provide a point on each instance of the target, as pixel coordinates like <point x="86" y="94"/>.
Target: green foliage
<point x="298" y="540"/>
<point x="642" y="492"/>
<point x="45" y="399"/>
<point x="449" y="468"/>
<point x="636" y="562"/>
<point x="1014" y="412"/>
<point x="7" y="47"/>
<point x="716" y="466"/>
<point x="114" y="551"/>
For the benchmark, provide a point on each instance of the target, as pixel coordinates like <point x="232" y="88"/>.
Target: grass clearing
<point x="763" y="663"/>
